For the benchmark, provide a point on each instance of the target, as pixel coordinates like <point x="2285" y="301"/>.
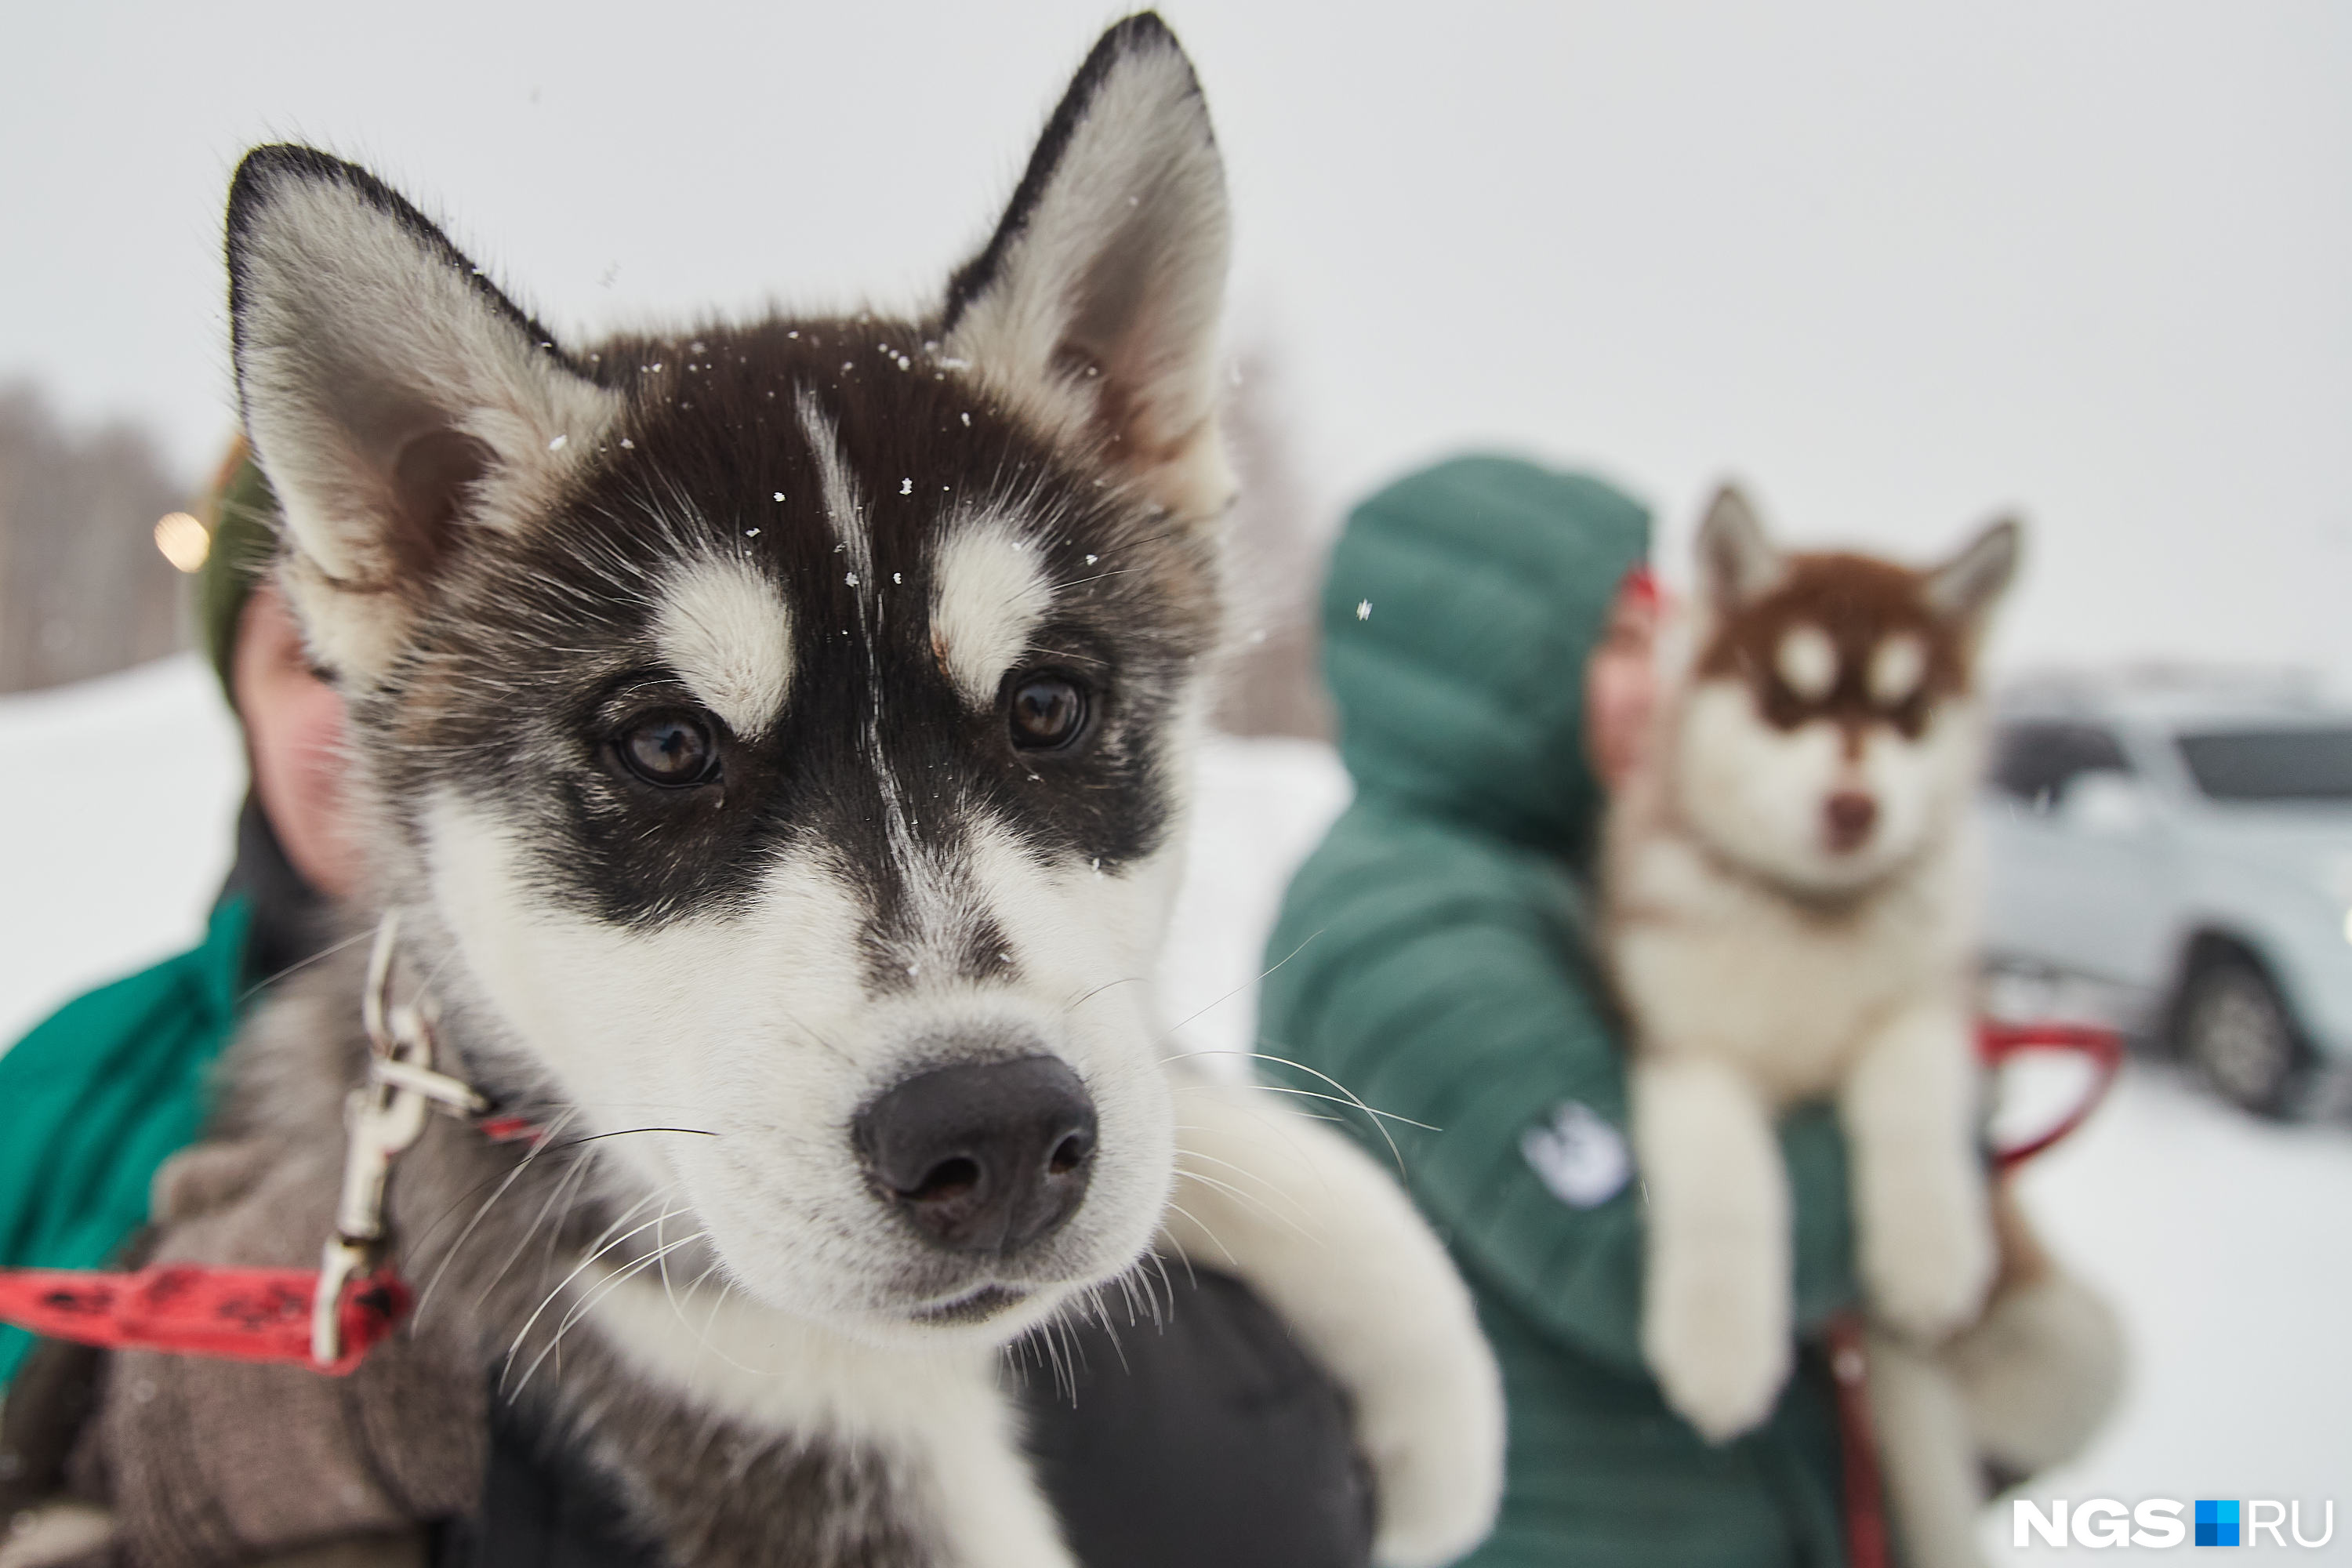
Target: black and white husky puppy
<point x="778" y="733"/>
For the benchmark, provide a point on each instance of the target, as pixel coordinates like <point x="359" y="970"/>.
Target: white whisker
<point x="450" y="1255"/>
<point x="1256" y="1204"/>
<point x="1212" y="1235"/>
<point x="602" y="1248"/>
<point x="587" y="1304"/>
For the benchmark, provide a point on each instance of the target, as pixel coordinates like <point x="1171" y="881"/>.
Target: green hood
<point x="1461" y="604"/>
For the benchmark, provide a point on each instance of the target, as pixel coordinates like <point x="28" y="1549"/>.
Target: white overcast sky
<point x="1896" y="266"/>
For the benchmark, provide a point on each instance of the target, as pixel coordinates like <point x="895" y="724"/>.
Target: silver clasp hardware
<point x="382" y="1118"/>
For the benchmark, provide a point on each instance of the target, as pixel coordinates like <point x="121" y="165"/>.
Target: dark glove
<point x="1208" y="1440"/>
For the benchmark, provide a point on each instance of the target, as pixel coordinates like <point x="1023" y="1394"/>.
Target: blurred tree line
<point x="83" y="589"/>
<point x="1270" y="675"/>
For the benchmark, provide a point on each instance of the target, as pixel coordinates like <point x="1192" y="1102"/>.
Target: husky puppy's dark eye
<point x="670" y="751"/>
<point x="1048" y="711"/>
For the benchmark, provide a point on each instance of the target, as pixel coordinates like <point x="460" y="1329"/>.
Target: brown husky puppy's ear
<point x="1736" y="562"/>
<point x="394" y="398"/>
<point x="1964" y="589"/>
<point x="1094" y="309"/>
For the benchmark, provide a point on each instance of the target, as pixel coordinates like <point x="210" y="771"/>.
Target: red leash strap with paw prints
<point x="328" y="1318"/>
<point x="242" y="1314"/>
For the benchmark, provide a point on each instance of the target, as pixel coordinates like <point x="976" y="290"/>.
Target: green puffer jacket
<point x="1437" y="966"/>
<point x="102" y="1093"/>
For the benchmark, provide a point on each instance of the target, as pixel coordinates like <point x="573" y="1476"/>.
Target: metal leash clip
<point x="383" y="1118"/>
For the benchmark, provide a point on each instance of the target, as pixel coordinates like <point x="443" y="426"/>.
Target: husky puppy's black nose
<point x="984" y="1157"/>
<point x="1847" y="818"/>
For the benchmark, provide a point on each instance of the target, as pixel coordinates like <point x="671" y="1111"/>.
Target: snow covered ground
<point x="2226" y="1244"/>
<point x="119" y="797"/>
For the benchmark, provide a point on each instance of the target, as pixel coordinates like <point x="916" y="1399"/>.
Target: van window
<point x="2035" y="763"/>
<point x="2271" y="764"/>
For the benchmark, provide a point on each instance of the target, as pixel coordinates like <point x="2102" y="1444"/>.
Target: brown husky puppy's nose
<point x="1848" y="816"/>
<point x="984" y="1157"/>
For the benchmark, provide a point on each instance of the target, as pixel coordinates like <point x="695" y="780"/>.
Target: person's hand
<point x="294" y="740"/>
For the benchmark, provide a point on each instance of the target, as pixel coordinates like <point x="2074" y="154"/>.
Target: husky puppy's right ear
<point x="396" y="400"/>
<point x="1094" y="309"/>
<point x="1964" y="589"/>
<point x="1736" y="562"/>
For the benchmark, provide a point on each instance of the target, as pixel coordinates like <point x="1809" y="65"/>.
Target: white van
<point x="2185" y="843"/>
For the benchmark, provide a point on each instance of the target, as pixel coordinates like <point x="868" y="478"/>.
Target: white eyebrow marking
<point x="728" y="633"/>
<point x="1897" y="665"/>
<point x="989" y="592"/>
<point x="843" y="507"/>
<point x="1807" y="660"/>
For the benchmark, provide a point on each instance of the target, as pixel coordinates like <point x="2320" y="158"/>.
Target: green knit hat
<point x="244" y="526"/>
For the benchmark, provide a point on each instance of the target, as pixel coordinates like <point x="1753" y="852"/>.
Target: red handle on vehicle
<point x="1998" y="1041"/>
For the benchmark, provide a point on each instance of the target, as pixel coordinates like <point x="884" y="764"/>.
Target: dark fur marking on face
<point x="505" y="696"/>
<point x="1857" y="603"/>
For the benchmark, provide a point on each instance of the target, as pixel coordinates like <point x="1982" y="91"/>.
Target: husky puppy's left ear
<point x="396" y="400"/>
<point x="1094" y="309"/>
<point x="1964" y="589"/>
<point x="1736" y="560"/>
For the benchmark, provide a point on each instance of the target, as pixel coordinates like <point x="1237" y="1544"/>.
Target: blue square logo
<point x="2217" y="1522"/>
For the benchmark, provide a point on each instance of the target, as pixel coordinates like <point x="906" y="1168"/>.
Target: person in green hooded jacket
<point x="100" y="1093"/>
<point x="1433" y="956"/>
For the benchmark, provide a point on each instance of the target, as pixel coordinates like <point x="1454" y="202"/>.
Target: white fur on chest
<point x="1746" y="1000"/>
<point x="1711" y="962"/>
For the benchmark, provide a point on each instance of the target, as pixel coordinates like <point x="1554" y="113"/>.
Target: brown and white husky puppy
<point x="773" y="738"/>
<point x="1792" y="890"/>
<point x="1791" y="895"/>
